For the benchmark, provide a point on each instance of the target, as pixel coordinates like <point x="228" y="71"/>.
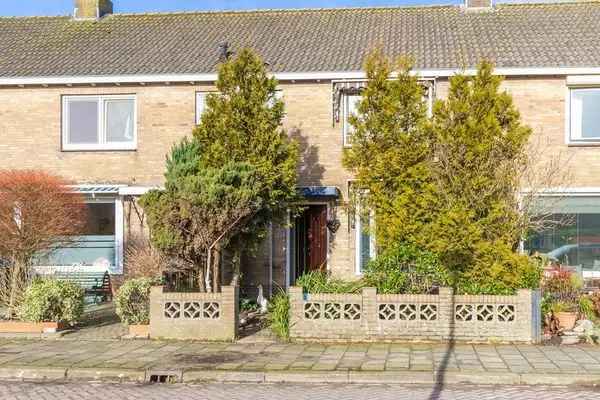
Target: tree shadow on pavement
<point x="439" y="373"/>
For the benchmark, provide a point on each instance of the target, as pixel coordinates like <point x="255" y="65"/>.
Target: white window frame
<point x="117" y="267"/>
<point x="569" y="115"/>
<point x="102" y="115"/>
<point x="345" y="112"/>
<point x="198" y="113"/>
<point x="345" y="115"/>
<point x="568" y="192"/>
<point x="358" y="230"/>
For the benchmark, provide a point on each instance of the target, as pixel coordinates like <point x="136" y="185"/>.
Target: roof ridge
<point x="285" y="10"/>
<point x="314" y="9"/>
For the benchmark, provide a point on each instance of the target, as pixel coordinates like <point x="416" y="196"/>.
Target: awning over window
<point x="355" y="87"/>
<point x="319" y="191"/>
<point x="97" y="189"/>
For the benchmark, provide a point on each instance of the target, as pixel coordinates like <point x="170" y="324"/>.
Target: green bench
<point x="96" y="284"/>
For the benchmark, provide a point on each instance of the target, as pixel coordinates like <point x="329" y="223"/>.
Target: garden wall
<point x="198" y="316"/>
<point x="372" y="317"/>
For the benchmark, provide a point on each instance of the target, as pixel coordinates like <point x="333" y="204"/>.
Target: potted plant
<point x="566" y="313"/>
<point x="133" y="306"/>
<point x="563" y="291"/>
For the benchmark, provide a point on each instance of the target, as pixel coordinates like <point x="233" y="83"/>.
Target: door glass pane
<point x="365" y="242"/>
<point x="83" y="121"/>
<point x="586" y="113"/>
<point x="119" y="120"/>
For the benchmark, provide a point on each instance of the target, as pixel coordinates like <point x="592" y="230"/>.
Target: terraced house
<point x="100" y="97"/>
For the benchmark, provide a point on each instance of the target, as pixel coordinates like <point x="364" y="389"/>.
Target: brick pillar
<point x="296" y="297"/>
<point x="446" y="313"/>
<point x="156" y="308"/>
<point x="527" y="316"/>
<point x="370" y="319"/>
<point x="230" y="310"/>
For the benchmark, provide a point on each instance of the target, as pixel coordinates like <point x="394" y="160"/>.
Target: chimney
<point x="92" y="9"/>
<point x="479" y="4"/>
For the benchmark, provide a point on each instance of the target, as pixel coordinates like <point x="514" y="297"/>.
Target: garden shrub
<point x="49" y="300"/>
<point x="586" y="307"/>
<point x="498" y="270"/>
<point x="562" y="292"/>
<point x="322" y="282"/>
<point x="279" y="315"/>
<point x="595" y="299"/>
<point x="405" y="269"/>
<point x="133" y="301"/>
<point x="562" y="286"/>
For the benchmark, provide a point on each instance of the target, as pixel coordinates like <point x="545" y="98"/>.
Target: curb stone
<point x="346" y="377"/>
<point x="105" y="374"/>
<point x="35" y="374"/>
<point x="307" y="377"/>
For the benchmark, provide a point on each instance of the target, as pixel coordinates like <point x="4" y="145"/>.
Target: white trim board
<point x="282" y="76"/>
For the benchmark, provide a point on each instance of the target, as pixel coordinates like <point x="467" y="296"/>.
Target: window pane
<point x="365" y="242"/>
<point x="83" y="121"/>
<point x="351" y="109"/>
<point x="200" y="105"/>
<point x="100" y="219"/>
<point x="575" y="240"/>
<point x="119" y="120"/>
<point x="585" y="114"/>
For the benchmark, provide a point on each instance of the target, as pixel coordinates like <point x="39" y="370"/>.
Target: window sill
<point x="77" y="149"/>
<point x="584" y="144"/>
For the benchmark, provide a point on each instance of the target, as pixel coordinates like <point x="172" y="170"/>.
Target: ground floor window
<point x="574" y="239"/>
<point x="100" y="243"/>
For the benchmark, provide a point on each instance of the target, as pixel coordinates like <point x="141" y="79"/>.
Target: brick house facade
<point x="157" y="104"/>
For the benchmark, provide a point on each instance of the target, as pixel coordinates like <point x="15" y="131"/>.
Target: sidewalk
<point x="187" y="362"/>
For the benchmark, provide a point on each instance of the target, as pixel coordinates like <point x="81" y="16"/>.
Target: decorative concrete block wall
<point x="198" y="316"/>
<point x="369" y="316"/>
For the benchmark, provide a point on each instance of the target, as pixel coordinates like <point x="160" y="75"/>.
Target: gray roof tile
<point x="524" y="35"/>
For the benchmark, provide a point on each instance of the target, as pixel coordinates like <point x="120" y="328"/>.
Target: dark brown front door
<point x="311" y="240"/>
<point x="317" y="237"/>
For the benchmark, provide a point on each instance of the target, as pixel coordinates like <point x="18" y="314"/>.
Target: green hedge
<point x="133" y="301"/>
<point x="49" y="300"/>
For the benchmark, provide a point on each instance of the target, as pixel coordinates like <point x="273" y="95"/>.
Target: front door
<point x="311" y="240"/>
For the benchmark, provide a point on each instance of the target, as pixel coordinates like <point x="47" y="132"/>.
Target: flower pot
<point x="566" y="320"/>
<point x="30" y="327"/>
<point x="141" y="331"/>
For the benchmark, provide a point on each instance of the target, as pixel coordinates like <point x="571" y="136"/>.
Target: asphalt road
<point x="76" y="391"/>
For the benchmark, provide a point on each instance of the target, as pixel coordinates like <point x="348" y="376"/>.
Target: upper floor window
<point x="99" y="123"/>
<point x="584" y="124"/>
<point x="350" y="108"/>
<point x="200" y="105"/>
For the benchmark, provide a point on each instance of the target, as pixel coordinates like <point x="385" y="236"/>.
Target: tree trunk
<point x="17" y="283"/>
<point x="235" y="264"/>
<point x="216" y="276"/>
<point x="201" y="284"/>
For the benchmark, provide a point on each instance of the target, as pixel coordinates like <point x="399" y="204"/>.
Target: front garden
<point x="442" y="189"/>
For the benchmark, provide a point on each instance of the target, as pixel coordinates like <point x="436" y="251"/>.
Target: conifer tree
<point x="481" y="146"/>
<point x="391" y="151"/>
<point x="243" y="123"/>
<point x="235" y="175"/>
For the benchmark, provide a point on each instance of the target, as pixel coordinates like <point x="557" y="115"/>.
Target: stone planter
<point x="139" y="331"/>
<point x="30" y="327"/>
<point x="566" y="320"/>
